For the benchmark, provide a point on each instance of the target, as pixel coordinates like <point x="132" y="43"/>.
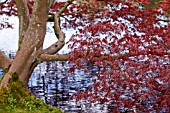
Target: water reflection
<point x="53" y="82"/>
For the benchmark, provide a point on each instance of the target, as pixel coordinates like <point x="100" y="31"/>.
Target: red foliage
<point x="130" y="45"/>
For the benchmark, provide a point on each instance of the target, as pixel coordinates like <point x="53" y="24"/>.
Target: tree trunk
<point x="23" y="65"/>
<point x="32" y="33"/>
<point x="32" y="30"/>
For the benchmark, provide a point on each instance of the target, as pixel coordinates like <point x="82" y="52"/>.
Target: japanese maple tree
<point x="127" y="40"/>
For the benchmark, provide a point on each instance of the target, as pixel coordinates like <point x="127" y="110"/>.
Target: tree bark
<point x="5" y="62"/>
<point x="32" y="30"/>
<point x="23" y="15"/>
<point x="31" y="45"/>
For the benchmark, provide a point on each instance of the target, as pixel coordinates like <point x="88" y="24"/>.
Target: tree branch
<point x="5" y="62"/>
<point x="3" y="2"/>
<point x="64" y="7"/>
<point x="23" y="14"/>
<point x="163" y="20"/>
<point x="57" y="57"/>
<point x="58" y="32"/>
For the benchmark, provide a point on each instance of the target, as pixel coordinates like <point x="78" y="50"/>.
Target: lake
<point x="52" y="81"/>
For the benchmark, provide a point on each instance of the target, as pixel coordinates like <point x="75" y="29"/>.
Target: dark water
<point x="54" y="83"/>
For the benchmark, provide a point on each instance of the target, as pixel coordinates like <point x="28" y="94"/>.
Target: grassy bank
<point x="17" y="100"/>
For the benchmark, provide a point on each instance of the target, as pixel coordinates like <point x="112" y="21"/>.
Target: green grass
<point x="17" y="100"/>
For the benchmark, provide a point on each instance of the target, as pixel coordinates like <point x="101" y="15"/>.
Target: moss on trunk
<point x="16" y="99"/>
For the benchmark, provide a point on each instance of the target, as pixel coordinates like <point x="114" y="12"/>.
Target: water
<point x="9" y="37"/>
<point x="54" y="83"/>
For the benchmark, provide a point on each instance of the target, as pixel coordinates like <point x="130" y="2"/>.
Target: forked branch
<point x="58" y="32"/>
<point x="5" y="62"/>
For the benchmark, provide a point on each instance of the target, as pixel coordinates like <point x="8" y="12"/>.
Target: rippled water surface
<point x="54" y="83"/>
